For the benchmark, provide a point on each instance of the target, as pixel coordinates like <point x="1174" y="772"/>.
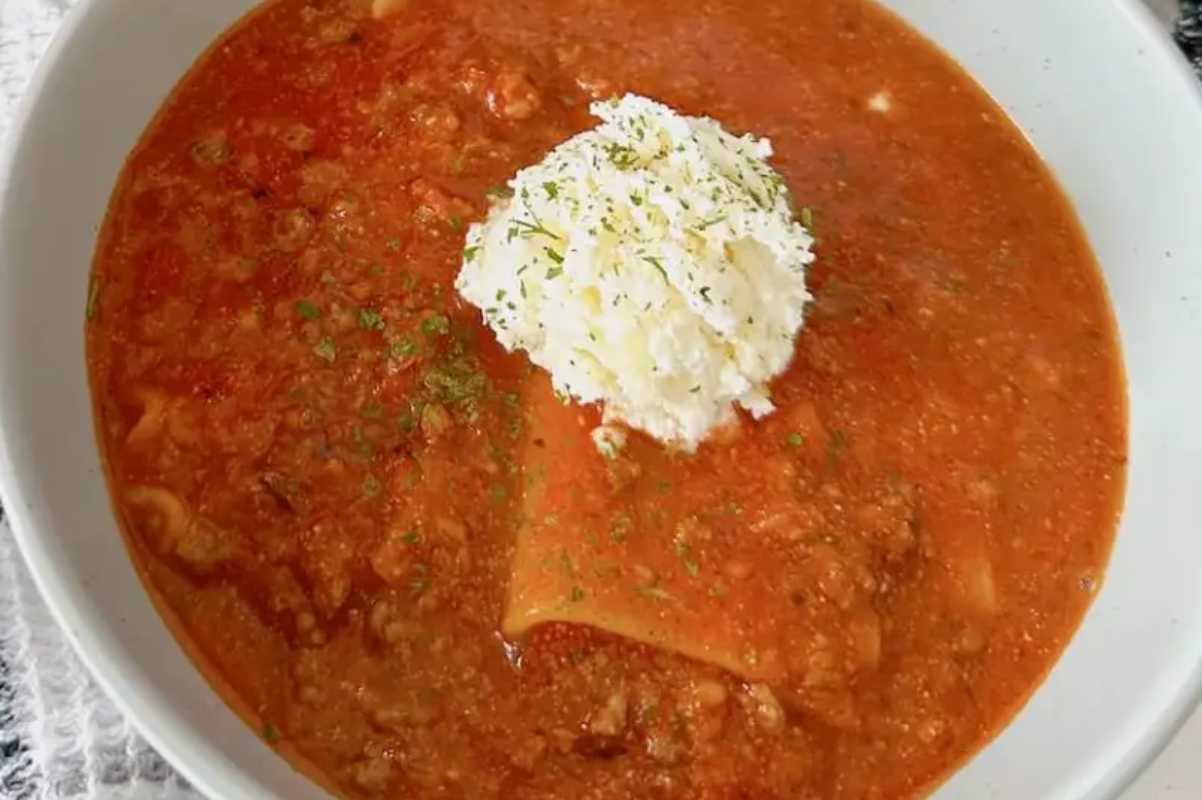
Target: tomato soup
<point x="339" y="487"/>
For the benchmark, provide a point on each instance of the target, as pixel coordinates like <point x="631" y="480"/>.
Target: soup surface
<point x="338" y="486"/>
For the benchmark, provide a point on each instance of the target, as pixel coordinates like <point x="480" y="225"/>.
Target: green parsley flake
<point x="685" y="551"/>
<point x="458" y="383"/>
<point x="307" y="310"/>
<point x="419" y="583"/>
<point x="93" y="303"/>
<point x="325" y="350"/>
<point x="436" y="325"/>
<point x="370" y="320"/>
<point x="401" y="348"/>
<point x="655" y="262"/>
<point x="527" y="229"/>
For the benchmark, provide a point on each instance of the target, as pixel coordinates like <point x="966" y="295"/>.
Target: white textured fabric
<point x="26" y="27"/>
<point x="60" y="737"/>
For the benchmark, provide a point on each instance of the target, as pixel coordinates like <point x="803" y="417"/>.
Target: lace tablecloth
<point x="60" y="737"/>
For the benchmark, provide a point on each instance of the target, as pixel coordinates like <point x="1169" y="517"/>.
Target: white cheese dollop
<point x="652" y="264"/>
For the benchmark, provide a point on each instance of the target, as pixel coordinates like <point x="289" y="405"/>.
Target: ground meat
<point x="513" y="97"/>
<point x="211" y="150"/>
<point x="293" y="229"/>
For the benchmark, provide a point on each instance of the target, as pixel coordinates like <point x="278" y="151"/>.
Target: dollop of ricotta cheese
<point x="653" y="264"/>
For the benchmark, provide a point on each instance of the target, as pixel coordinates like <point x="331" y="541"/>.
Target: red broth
<point x="323" y="460"/>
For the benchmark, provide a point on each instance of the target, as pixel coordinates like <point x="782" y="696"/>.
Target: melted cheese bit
<point x="652" y="264"/>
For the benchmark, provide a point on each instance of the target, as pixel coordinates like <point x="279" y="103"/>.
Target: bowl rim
<point x="1165" y="728"/>
<point x="38" y="557"/>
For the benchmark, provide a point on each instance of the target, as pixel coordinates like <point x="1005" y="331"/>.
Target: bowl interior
<point x="1116" y="115"/>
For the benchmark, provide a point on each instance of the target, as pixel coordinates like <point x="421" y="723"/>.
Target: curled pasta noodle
<point x="163" y="515"/>
<point x="153" y="419"/>
<point x="175" y="530"/>
<point x="163" y="415"/>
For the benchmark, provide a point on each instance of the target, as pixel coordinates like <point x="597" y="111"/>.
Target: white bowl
<point x="1093" y="82"/>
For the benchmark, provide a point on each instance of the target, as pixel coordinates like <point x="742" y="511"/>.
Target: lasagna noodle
<point x="579" y="560"/>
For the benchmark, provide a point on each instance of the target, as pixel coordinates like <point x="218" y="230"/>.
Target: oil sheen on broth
<point x="324" y="462"/>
